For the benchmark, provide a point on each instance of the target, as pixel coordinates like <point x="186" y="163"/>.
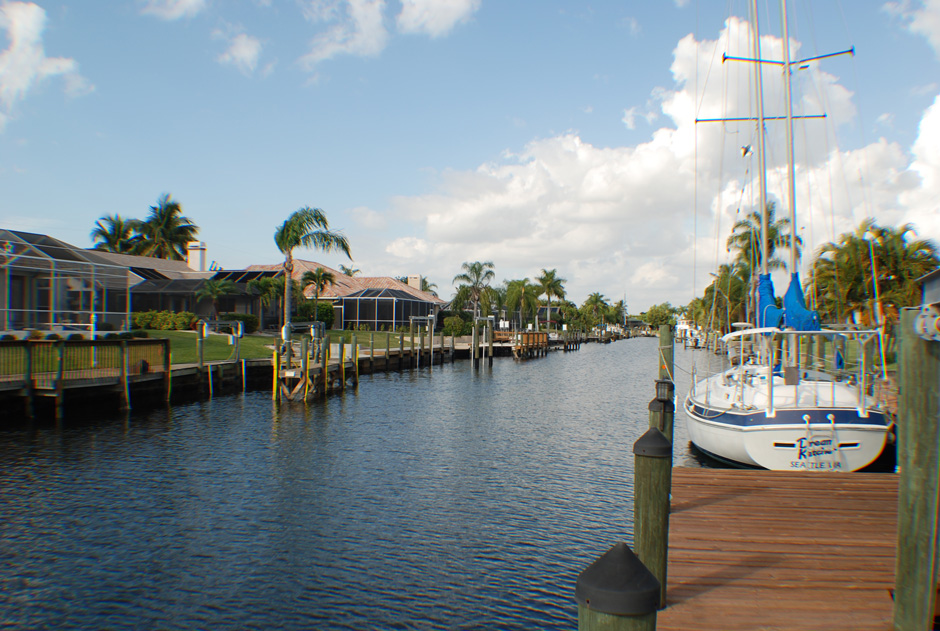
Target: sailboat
<point x="770" y="409"/>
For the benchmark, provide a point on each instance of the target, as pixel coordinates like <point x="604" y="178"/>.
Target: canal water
<point x="428" y="499"/>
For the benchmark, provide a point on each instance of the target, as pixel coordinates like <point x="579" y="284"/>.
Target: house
<point x="159" y="284"/>
<point x="51" y="285"/>
<point x="376" y="302"/>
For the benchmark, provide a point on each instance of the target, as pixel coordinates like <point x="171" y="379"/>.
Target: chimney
<point x="196" y="255"/>
<point x="414" y="280"/>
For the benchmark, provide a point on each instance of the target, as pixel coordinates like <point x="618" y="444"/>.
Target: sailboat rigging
<point x="768" y="410"/>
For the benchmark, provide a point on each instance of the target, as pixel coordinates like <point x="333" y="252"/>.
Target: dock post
<point x="304" y="364"/>
<point x="60" y="377"/>
<point x="355" y="358"/>
<point x="372" y="352"/>
<point x="411" y="329"/>
<point x="325" y="364"/>
<point x="167" y="375"/>
<point x="401" y="350"/>
<point x="276" y="387"/>
<point x="474" y="340"/>
<point x="617" y="593"/>
<point x="653" y="471"/>
<point x="666" y="353"/>
<point x="919" y="463"/>
<point x="490" y="336"/>
<point x="342" y="361"/>
<point x="30" y="384"/>
<point x="200" y="344"/>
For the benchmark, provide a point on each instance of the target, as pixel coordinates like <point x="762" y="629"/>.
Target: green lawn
<point x="217" y="347"/>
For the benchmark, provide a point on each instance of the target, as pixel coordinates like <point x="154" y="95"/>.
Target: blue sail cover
<point x="768" y="313"/>
<point x="795" y="314"/>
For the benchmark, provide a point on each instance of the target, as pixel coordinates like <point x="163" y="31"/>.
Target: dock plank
<point x="780" y="550"/>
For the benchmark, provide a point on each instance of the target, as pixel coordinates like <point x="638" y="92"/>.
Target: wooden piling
<point x="60" y="378"/>
<point x="916" y="572"/>
<point x="167" y="379"/>
<point x="652" y="477"/>
<point x="325" y="365"/>
<point x="617" y="593"/>
<point x="355" y="358"/>
<point x="276" y="388"/>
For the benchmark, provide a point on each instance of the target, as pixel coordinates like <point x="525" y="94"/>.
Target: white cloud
<point x="920" y="202"/>
<point x="632" y="25"/>
<point x="359" y="30"/>
<point x="368" y="218"/>
<point x="923" y="20"/>
<point x="173" y="9"/>
<point x="243" y="52"/>
<point x="620" y="219"/>
<point x="629" y="118"/>
<point x="24" y="63"/>
<point x="408" y="248"/>
<point x="434" y="17"/>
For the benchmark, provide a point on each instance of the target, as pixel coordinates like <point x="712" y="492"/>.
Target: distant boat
<point x="767" y="411"/>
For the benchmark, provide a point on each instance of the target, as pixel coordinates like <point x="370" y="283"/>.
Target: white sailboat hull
<point x="816" y="447"/>
<point x="813" y="426"/>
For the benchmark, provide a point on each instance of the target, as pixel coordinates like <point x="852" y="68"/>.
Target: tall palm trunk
<point x="288" y="278"/>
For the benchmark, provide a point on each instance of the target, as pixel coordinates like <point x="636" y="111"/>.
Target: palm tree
<point x="319" y="278"/>
<point x="477" y="277"/>
<point x="595" y="305"/>
<point x="166" y="232"/>
<point x="426" y="286"/>
<point x="307" y="227"/>
<point x="745" y="240"/>
<point x="843" y="280"/>
<point x="616" y="312"/>
<point x="523" y="296"/>
<point x="552" y="286"/>
<point x="349" y="271"/>
<point x="269" y="290"/>
<point x="215" y="289"/>
<point x="728" y="297"/>
<point x="113" y="233"/>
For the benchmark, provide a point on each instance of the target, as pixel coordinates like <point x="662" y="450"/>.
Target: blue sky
<point x="534" y="134"/>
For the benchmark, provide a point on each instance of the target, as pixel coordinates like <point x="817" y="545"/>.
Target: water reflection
<point x="452" y="498"/>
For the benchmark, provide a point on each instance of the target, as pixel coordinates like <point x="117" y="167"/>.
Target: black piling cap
<point x="653" y="444"/>
<point x="619" y="584"/>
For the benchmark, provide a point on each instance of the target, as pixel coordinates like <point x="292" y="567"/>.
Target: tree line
<point x="864" y="277"/>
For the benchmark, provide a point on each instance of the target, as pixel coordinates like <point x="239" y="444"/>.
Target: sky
<point x="535" y="134"/>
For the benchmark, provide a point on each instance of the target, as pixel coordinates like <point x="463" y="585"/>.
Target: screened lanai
<point x="50" y="285"/>
<point x="381" y="309"/>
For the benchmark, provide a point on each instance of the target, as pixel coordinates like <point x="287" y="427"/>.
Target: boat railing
<point x="758" y="355"/>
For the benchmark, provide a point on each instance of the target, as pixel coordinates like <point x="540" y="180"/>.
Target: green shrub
<point x="7" y="337"/>
<point x="325" y="314"/>
<point x="54" y="337"/>
<point x="126" y="335"/>
<point x="74" y="337"/>
<point x="34" y="334"/>
<point x="140" y="333"/>
<point x="162" y="320"/>
<point x="456" y="326"/>
<point x="111" y="336"/>
<point x="249" y="321"/>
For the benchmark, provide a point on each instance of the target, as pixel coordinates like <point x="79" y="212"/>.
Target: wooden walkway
<point x="780" y="550"/>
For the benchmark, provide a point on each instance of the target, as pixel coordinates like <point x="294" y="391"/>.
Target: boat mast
<point x="791" y="169"/>
<point x="761" y="159"/>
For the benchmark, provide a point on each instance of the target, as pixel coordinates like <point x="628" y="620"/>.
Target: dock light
<point x="664" y="389"/>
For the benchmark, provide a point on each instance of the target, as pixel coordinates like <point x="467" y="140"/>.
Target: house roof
<point x="370" y="294"/>
<point x="345" y="285"/>
<point x="147" y="266"/>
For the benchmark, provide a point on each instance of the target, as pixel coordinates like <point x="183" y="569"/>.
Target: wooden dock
<point x="780" y="550"/>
